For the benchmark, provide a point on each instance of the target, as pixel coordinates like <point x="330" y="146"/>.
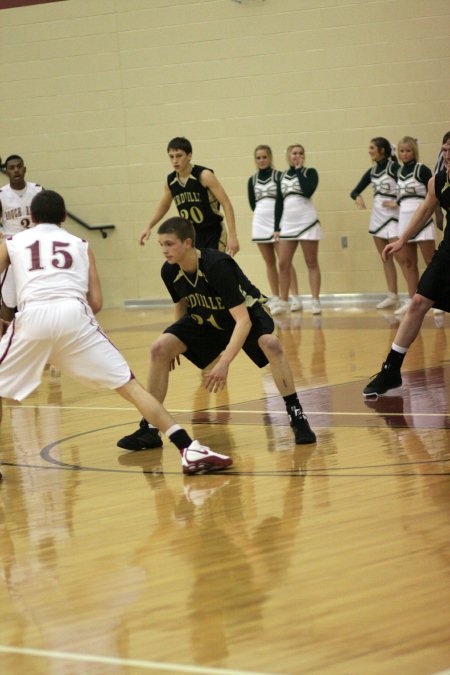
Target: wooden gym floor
<point x="328" y="559"/>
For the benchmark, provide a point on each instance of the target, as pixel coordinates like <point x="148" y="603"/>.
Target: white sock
<point x="397" y="348"/>
<point x="172" y="430"/>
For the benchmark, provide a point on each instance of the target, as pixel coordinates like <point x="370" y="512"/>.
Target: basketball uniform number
<point x="25" y="222"/>
<point x="62" y="260"/>
<point x="194" y="214"/>
<point x="211" y="319"/>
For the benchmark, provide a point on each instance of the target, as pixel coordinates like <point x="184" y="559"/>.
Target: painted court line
<point x="135" y="663"/>
<point x="179" y="411"/>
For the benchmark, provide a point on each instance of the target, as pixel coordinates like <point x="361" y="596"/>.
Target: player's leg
<point x="163" y="357"/>
<point x="389" y="376"/>
<point x="22" y="358"/>
<point x="195" y="458"/>
<point x="284" y="380"/>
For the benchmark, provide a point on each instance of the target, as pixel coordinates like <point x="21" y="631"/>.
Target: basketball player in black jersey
<point x="433" y="289"/>
<point x="218" y="312"/>
<point x="198" y="196"/>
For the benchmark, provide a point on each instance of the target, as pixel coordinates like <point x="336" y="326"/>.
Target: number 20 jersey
<point x="193" y="201"/>
<point x="16" y="207"/>
<point x="48" y="263"/>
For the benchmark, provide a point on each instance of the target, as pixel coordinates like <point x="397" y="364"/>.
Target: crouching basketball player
<point x="218" y="312"/>
<point x="58" y="292"/>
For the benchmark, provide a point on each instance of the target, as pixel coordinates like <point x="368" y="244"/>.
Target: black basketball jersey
<point x="442" y="190"/>
<point x="193" y="201"/>
<point x="218" y="285"/>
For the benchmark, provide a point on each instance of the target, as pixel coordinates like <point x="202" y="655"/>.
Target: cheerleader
<point x="262" y="190"/>
<point x="412" y="181"/>
<point x="299" y="223"/>
<point x="383" y="220"/>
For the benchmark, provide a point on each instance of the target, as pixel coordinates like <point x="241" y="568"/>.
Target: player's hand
<point x="276" y="236"/>
<point x="391" y="248"/>
<point x="232" y="246"/>
<point x="360" y="204"/>
<point x="173" y="364"/>
<point x="217" y="378"/>
<point x="145" y="235"/>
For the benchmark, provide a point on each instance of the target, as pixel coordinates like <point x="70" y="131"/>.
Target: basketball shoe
<point x="302" y="431"/>
<point x="144" y="438"/>
<point x="200" y="459"/>
<point x="387" y="378"/>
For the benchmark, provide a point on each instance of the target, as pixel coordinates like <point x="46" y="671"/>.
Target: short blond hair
<point x="291" y="147"/>
<point x="413" y="144"/>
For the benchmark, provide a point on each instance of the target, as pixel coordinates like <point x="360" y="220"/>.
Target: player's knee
<point x="271" y="346"/>
<point x="161" y="350"/>
<point x="419" y="304"/>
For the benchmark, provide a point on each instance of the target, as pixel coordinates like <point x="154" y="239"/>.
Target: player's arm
<point x="439" y="217"/>
<point x="159" y="212"/>
<point x="420" y="217"/>
<point x="218" y="376"/>
<point x="4" y="257"/>
<point x="94" y="294"/>
<point x="180" y="309"/>
<point x="209" y="180"/>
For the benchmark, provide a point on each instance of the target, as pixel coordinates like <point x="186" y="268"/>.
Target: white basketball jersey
<point x="16" y="207"/>
<point x="48" y="262"/>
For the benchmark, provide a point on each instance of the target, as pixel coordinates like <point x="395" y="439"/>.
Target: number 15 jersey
<point x="48" y="262"/>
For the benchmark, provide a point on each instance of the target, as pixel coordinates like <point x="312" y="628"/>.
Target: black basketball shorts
<point x="204" y="343"/>
<point x="434" y="283"/>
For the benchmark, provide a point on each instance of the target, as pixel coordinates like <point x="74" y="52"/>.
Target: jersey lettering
<point x="63" y="259"/>
<point x="193" y="214"/>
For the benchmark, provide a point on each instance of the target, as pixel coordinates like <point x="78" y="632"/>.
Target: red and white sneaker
<point x="200" y="459"/>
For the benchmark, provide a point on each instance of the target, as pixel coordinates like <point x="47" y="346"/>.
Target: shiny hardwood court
<point x="331" y="559"/>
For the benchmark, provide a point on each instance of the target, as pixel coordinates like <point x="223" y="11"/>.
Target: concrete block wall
<point x="93" y="90"/>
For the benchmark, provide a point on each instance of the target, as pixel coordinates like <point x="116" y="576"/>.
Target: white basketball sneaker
<point x="200" y="459"/>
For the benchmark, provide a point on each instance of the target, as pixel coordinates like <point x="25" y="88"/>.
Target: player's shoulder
<point x="198" y="169"/>
<point x="210" y="258"/>
<point x="169" y="271"/>
<point x="171" y="177"/>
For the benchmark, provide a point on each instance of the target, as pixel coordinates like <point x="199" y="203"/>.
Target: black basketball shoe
<point x="144" y="438"/>
<point x="302" y="431"/>
<point x="387" y="378"/>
